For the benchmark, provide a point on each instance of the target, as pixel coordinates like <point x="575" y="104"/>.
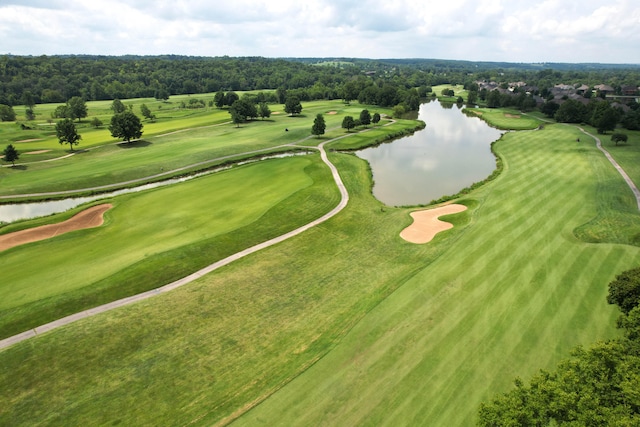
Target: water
<point x="451" y="153"/>
<point x="14" y="212"/>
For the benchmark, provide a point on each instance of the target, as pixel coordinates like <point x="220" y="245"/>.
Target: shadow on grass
<point x="134" y="144"/>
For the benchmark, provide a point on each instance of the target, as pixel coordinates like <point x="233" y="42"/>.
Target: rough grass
<point x="374" y="330"/>
<point x="108" y="163"/>
<point x="147" y="242"/>
<point x="504" y="118"/>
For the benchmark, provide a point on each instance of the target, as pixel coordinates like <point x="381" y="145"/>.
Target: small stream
<point x="19" y="211"/>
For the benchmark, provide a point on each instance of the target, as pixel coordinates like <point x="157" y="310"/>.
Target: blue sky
<point x="480" y="30"/>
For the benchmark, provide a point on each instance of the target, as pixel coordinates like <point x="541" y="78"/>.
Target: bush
<point x="619" y="137"/>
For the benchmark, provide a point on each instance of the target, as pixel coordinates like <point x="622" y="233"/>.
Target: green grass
<point x="108" y="163"/>
<point x="371" y="329"/>
<point x="147" y="242"/>
<point x="504" y="118"/>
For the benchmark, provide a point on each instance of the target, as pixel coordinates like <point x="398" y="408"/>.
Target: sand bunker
<point x="426" y="223"/>
<point x="512" y="116"/>
<point x="89" y="218"/>
<point x="332" y="112"/>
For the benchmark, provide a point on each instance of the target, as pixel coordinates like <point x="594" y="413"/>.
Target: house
<point x="604" y="89"/>
<point x="629" y="90"/>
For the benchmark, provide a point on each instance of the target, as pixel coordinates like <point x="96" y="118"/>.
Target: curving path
<point x="615" y="164"/>
<point x="344" y="199"/>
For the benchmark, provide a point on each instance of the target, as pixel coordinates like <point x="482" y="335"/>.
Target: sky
<point x="529" y="31"/>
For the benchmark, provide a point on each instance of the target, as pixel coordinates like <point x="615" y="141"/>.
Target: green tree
<point x="117" y="106"/>
<point x="348" y="123"/>
<point x="161" y="94"/>
<point x="96" y="122"/>
<point x="218" y="99"/>
<point x="11" y="154"/>
<point x="77" y="108"/>
<point x="292" y="105"/>
<point x="319" y="125"/>
<point x="624" y="291"/>
<point x="146" y="112"/>
<point x="619" y="137"/>
<point x="67" y="134"/>
<point x="472" y="97"/>
<point x="365" y="117"/>
<point x="30" y="114"/>
<point x="28" y="99"/>
<point x="230" y="98"/>
<point x="571" y="111"/>
<point x="376" y="118"/>
<point x="61" y="112"/>
<point x="264" y="111"/>
<point x="125" y="125"/>
<point x="549" y="108"/>
<point x="493" y="99"/>
<point x="6" y="113"/>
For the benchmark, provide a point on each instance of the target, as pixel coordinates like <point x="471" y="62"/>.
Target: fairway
<point x="322" y="330"/>
<point x="144" y="232"/>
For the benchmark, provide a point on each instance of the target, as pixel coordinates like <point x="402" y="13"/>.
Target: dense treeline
<point x="58" y="78"/>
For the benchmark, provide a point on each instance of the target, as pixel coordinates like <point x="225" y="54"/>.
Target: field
<point x="346" y="324"/>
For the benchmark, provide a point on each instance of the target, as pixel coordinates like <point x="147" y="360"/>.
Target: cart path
<point x="344" y="199"/>
<point x="615" y="164"/>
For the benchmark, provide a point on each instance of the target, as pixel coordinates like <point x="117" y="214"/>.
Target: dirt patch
<point x="38" y="152"/>
<point x="332" y="112"/>
<point x="426" y="223"/>
<point x="512" y="116"/>
<point x="89" y="218"/>
<point x="477" y="113"/>
<point x="275" y="113"/>
<point x="30" y="140"/>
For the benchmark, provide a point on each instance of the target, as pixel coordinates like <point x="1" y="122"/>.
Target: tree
<point x="218" y="99"/>
<point x="365" y="117"/>
<point x="624" y="291"/>
<point x="607" y="121"/>
<point x="6" y="113"/>
<point x="376" y="118"/>
<point x="263" y="110"/>
<point x="30" y="114"/>
<point x="348" y="123"/>
<point x="549" y="108"/>
<point x="28" y="99"/>
<point x="242" y="109"/>
<point x="161" y="94"/>
<point x="61" y="112"/>
<point x="493" y="99"/>
<point x="96" y="122"/>
<point x="77" y="108"/>
<point x="472" y="97"/>
<point x="619" y="137"/>
<point x="571" y="111"/>
<point x="292" y="105"/>
<point x="230" y="98"/>
<point x="125" y="125"/>
<point x="67" y="133"/>
<point x="146" y="112"/>
<point x="319" y="125"/>
<point x="11" y="154"/>
<point x="117" y="106"/>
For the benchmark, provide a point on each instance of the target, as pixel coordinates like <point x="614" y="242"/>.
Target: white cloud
<point x="516" y="30"/>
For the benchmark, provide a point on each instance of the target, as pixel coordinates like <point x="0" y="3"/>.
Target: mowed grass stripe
<point x="453" y="334"/>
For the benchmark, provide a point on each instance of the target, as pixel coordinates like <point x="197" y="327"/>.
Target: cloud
<point x="515" y="30"/>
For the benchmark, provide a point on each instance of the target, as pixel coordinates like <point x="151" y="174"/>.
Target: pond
<point x="451" y="153"/>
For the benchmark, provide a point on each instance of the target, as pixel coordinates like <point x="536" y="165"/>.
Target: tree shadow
<point x="19" y="167"/>
<point x="140" y="143"/>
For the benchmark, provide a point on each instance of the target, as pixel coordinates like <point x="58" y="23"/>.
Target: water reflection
<point x="451" y="153"/>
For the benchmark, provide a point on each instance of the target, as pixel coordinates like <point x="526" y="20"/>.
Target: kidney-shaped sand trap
<point x="426" y="223"/>
<point x="89" y="218"/>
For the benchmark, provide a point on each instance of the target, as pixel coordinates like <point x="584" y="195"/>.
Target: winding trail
<point x="615" y="164"/>
<point x="344" y="199"/>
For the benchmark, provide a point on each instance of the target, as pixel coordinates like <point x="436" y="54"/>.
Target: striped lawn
<point x="347" y="324"/>
<point x="512" y="295"/>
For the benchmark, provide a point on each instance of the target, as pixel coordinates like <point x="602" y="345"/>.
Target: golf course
<point x="347" y="323"/>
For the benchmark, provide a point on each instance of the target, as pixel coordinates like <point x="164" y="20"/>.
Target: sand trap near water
<point x="426" y="223"/>
<point x="89" y="218"/>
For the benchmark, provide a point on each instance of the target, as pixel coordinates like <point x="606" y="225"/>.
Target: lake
<point x="451" y="153"/>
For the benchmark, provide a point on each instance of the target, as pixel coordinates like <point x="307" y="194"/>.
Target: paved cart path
<point x="344" y="199"/>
